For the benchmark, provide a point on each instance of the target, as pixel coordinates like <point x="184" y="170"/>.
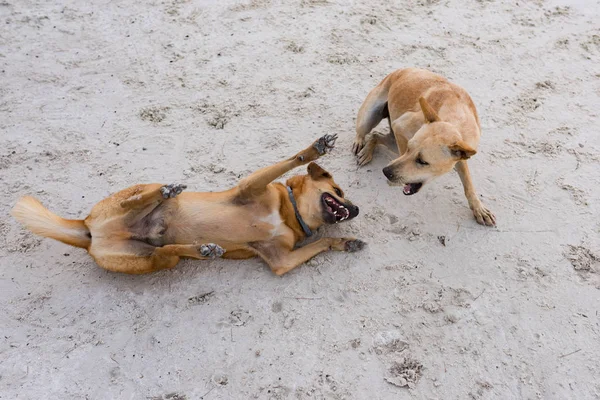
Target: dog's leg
<point x="257" y="182"/>
<point x="373" y="140"/>
<point x="372" y="111"/>
<point x="153" y="194"/>
<point x="282" y="260"/>
<point x="201" y="252"/>
<point x="130" y="256"/>
<point x="140" y="205"/>
<point x="482" y="214"/>
<point x="135" y="257"/>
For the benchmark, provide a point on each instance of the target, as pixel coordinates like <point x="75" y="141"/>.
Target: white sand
<point x="96" y="98"/>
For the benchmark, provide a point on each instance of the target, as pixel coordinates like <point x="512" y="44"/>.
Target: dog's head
<point x="320" y="200"/>
<point x="432" y="151"/>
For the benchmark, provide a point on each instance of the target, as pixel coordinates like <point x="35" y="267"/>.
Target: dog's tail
<point x="39" y="220"/>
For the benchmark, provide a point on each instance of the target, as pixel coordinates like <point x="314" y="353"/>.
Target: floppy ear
<point x="295" y="182"/>
<point x="462" y="151"/>
<point x="428" y="112"/>
<point x="316" y="172"/>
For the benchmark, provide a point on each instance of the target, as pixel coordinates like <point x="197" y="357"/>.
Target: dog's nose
<point x="387" y="171"/>
<point x="353" y="210"/>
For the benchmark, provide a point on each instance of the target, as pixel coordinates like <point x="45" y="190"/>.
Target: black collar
<point x="305" y="227"/>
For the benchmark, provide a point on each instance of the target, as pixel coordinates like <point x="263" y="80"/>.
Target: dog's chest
<point x="277" y="227"/>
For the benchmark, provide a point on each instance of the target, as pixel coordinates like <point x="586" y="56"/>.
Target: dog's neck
<point x="464" y="119"/>
<point x="287" y="212"/>
<point x="299" y="218"/>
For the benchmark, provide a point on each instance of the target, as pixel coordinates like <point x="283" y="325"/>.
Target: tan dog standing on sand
<point x="434" y="125"/>
<point x="146" y="228"/>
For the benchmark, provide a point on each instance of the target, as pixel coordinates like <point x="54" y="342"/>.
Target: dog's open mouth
<point x="336" y="211"/>
<point x="412" y="188"/>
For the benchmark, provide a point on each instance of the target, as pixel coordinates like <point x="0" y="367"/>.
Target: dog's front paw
<point x="357" y="146"/>
<point x="350" y="245"/>
<point x="325" y="143"/>
<point x="172" y="190"/>
<point x="354" y="245"/>
<point x="211" y="250"/>
<point x="484" y="216"/>
<point x="365" y="155"/>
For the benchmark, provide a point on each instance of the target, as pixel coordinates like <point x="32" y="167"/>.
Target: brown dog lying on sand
<point x="434" y="125"/>
<point x="146" y="228"/>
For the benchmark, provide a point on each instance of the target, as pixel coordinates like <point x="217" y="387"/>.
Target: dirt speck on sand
<point x="219" y="120"/>
<point x="170" y="396"/>
<point x="389" y="342"/>
<point x="201" y="298"/>
<point x="154" y="114"/>
<point x="582" y="259"/>
<point x="294" y="48"/>
<point x="579" y="196"/>
<point x="406" y="372"/>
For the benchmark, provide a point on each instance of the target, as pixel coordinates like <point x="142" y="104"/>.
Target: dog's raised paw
<point x="325" y="143"/>
<point x="211" y="250"/>
<point x="352" y="246"/>
<point x="172" y="190"/>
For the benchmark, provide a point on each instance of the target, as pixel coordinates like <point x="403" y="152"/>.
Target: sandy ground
<point x="95" y="98"/>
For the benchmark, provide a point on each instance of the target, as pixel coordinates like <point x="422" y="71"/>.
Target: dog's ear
<point x="316" y="172"/>
<point x="462" y="151"/>
<point x="428" y="112"/>
<point x="296" y="182"/>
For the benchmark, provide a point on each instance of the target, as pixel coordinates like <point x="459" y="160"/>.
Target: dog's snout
<point x="387" y="171"/>
<point x="353" y="210"/>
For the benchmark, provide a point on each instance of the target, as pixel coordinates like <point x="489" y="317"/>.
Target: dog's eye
<point x="338" y="192"/>
<point x="420" y="161"/>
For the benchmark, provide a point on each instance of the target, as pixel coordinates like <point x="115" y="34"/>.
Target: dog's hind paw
<point x="325" y="143"/>
<point x="352" y="246"/>
<point x="211" y="250"/>
<point x="172" y="190"/>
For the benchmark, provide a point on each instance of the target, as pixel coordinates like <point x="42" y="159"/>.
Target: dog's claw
<point x="172" y="190"/>
<point x="484" y="216"/>
<point x="325" y="143"/>
<point x="211" y="250"/>
<point x="352" y="246"/>
<point x="357" y="147"/>
<point x="364" y="156"/>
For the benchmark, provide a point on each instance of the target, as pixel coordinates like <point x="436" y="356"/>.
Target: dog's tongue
<point x="406" y="189"/>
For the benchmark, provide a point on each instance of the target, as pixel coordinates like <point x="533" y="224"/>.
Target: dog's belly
<point x="223" y="223"/>
<point x="153" y="227"/>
